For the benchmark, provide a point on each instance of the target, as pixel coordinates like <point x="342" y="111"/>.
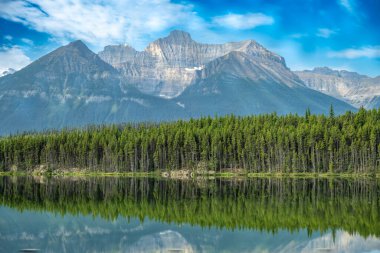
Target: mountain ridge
<point x="237" y="84"/>
<point x="72" y="86"/>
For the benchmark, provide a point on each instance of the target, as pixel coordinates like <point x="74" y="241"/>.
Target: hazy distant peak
<point x="177" y="37"/>
<point x="324" y="70"/>
<point x="359" y="90"/>
<point x="181" y="35"/>
<point x="78" y="44"/>
<point x="334" y="72"/>
<point x="119" y="47"/>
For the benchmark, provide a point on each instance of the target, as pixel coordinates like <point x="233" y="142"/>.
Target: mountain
<point x="243" y="83"/>
<point x="173" y="78"/>
<point x="168" y="65"/>
<point x="358" y="90"/>
<point x="72" y="86"/>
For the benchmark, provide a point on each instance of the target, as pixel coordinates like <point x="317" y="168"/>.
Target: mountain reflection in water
<point x="110" y="214"/>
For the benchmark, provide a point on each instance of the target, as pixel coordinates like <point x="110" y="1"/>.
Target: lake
<point x="123" y="214"/>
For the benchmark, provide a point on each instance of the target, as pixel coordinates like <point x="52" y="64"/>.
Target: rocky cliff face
<point x="168" y="65"/>
<point x="358" y="90"/>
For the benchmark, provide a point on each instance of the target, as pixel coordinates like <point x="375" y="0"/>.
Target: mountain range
<point x="173" y="78"/>
<point x="358" y="90"/>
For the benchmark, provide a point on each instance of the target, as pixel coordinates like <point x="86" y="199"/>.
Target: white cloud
<point x="352" y="53"/>
<point x="101" y="22"/>
<point x="325" y="32"/>
<point x="27" y="41"/>
<point x="243" y="21"/>
<point x="298" y="35"/>
<point x="346" y="4"/>
<point x="8" y="37"/>
<point x="12" y="57"/>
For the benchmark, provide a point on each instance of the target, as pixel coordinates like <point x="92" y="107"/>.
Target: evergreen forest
<point x="347" y="143"/>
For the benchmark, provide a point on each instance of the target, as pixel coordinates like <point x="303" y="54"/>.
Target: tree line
<point x="269" y="204"/>
<point x="261" y="143"/>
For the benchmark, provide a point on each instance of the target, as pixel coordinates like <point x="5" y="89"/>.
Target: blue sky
<point x="341" y="34"/>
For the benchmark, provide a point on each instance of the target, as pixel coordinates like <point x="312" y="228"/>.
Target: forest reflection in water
<point x="272" y="213"/>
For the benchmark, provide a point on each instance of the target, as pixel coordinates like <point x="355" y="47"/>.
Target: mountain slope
<point x="239" y="84"/>
<point x="358" y="90"/>
<point x="72" y="86"/>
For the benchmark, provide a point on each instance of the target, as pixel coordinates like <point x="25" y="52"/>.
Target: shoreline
<point x="194" y="174"/>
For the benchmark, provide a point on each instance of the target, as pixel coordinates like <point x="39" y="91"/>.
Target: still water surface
<point x="107" y="214"/>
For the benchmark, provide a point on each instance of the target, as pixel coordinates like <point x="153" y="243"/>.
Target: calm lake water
<point x="107" y="214"/>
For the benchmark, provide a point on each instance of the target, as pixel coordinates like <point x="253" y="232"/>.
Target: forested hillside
<point x="263" y="143"/>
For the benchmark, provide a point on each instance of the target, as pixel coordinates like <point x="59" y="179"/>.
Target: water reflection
<point x="148" y="215"/>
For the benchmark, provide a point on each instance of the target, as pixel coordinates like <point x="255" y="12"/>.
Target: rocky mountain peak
<point x="121" y="47"/>
<point x="118" y="54"/>
<point x="178" y="36"/>
<point x="168" y="65"/>
<point x="324" y="70"/>
<point x="358" y="90"/>
<point x="77" y="44"/>
<point x="254" y="49"/>
<point x="74" y="58"/>
<point x="72" y="50"/>
<point x="337" y="73"/>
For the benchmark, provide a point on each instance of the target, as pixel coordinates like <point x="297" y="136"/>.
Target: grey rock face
<point x="358" y="90"/>
<point x="168" y="65"/>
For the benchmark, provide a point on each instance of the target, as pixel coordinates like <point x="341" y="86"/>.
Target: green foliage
<point x="332" y="113"/>
<point x="262" y="143"/>
<point x="269" y="204"/>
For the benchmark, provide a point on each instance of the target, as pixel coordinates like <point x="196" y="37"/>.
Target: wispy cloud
<point x="352" y="53"/>
<point x="347" y="4"/>
<point x="325" y="32"/>
<point x="8" y="37"/>
<point x="27" y="41"/>
<point x="12" y="57"/>
<point x="100" y="22"/>
<point x="298" y="35"/>
<point x="243" y="21"/>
